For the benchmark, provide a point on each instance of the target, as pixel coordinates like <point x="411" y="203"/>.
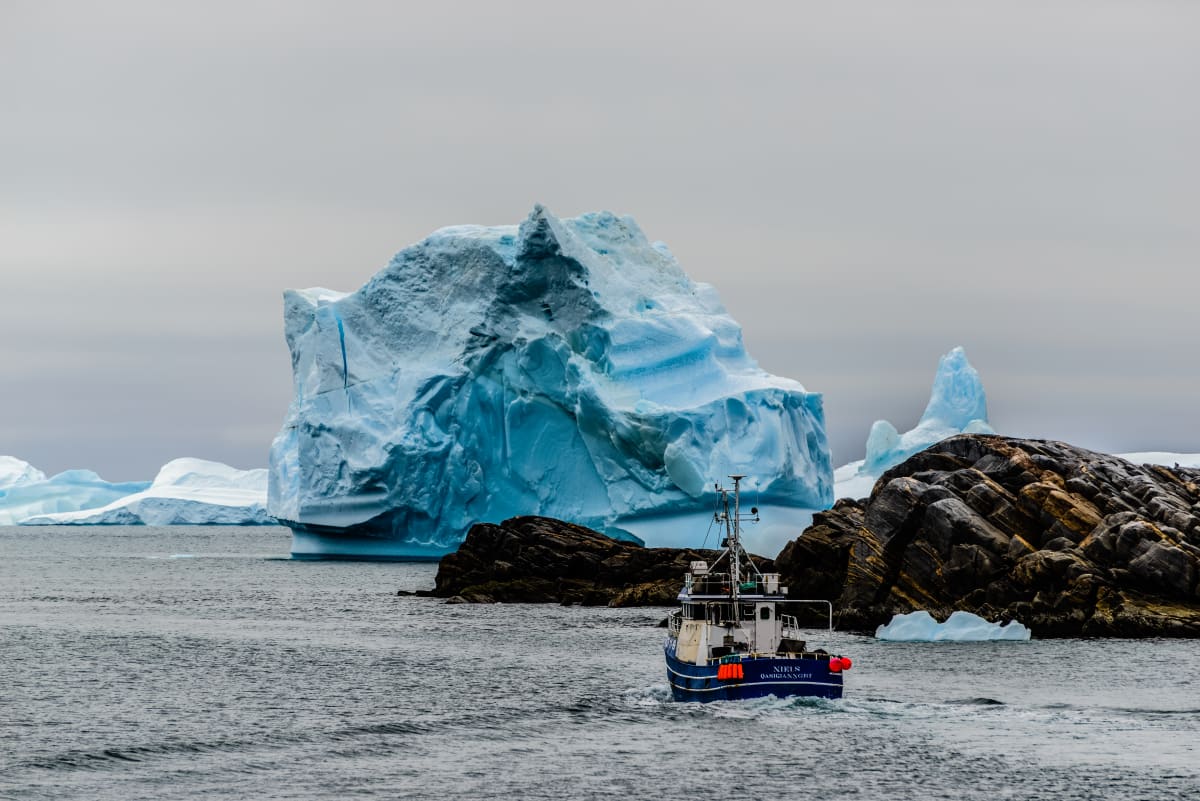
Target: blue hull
<point x="762" y="677"/>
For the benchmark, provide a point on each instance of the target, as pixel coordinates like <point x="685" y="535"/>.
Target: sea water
<point x="200" y="662"/>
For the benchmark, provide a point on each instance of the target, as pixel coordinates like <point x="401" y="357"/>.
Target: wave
<point x="119" y="756"/>
<point x="976" y="702"/>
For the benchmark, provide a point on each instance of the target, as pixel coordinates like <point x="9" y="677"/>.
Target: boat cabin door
<point x="766" y="628"/>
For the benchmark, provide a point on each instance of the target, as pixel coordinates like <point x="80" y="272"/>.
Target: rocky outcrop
<point x="1068" y="541"/>
<point x="539" y="560"/>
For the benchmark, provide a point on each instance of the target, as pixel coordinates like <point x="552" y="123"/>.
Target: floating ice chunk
<point x="565" y="367"/>
<point x="185" y="492"/>
<point x="959" y="627"/>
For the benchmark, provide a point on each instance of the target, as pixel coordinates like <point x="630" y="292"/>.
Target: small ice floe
<point x="959" y="627"/>
<point x="182" y="556"/>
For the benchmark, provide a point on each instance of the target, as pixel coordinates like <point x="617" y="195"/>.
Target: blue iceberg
<point x="957" y="405"/>
<point x="565" y="367"/>
<point x="959" y="627"/>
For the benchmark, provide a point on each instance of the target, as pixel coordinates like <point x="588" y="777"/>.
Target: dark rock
<point x="541" y="560"/>
<point x="1166" y="568"/>
<point x="1068" y="541"/>
<point x="816" y="561"/>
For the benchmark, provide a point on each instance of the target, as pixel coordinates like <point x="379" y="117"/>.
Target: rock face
<point x="1068" y="541"/>
<point x="539" y="560"/>
<point x="565" y="367"/>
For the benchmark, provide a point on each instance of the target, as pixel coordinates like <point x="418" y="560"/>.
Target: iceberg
<point x="957" y="405"/>
<point x="959" y="627"/>
<point x="185" y="492"/>
<point x="563" y="367"/>
<point x="30" y="493"/>
<point x="849" y="481"/>
<point x="16" y="472"/>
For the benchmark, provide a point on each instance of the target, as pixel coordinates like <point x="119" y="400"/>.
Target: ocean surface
<point x="180" y="663"/>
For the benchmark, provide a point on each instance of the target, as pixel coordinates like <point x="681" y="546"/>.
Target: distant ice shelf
<point x="35" y="495"/>
<point x="1163" y="458"/>
<point x="185" y="492"/>
<point x="959" y="627"/>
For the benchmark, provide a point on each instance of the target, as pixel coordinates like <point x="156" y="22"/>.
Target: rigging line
<point x="712" y="519"/>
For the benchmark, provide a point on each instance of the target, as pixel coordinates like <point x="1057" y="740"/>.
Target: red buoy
<point x="846" y="663"/>
<point x="835" y="665"/>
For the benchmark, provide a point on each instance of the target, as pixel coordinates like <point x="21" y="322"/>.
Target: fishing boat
<point x="730" y="639"/>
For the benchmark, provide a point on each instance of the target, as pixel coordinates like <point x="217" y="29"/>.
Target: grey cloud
<point x="866" y="184"/>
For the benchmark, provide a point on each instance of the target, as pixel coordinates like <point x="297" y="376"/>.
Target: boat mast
<point x="735" y="549"/>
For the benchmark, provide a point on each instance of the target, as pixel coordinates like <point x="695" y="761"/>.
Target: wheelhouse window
<point x="765" y="613"/>
<point x="720" y="614"/>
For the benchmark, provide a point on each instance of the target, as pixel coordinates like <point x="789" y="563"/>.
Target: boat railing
<point x="789" y="627"/>
<point x="708" y="584"/>
<point x="674" y="621"/>
<point x="828" y="605"/>
<point x="720" y="584"/>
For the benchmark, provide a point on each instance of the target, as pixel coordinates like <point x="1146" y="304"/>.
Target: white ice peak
<point x="957" y="405"/>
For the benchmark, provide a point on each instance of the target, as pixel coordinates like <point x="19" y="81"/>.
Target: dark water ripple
<point x="127" y="674"/>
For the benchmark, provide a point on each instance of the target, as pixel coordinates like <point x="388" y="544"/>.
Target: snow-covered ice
<point x="959" y="627"/>
<point x="565" y="367"/>
<point x="957" y="405"/>
<point x="34" y="494"/>
<point x="185" y="492"/>
<point x="16" y="472"/>
<point x="1164" y="458"/>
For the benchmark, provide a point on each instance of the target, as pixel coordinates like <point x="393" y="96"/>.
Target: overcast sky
<point x="866" y="184"/>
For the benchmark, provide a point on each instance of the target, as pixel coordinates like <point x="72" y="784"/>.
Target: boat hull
<point x="762" y="676"/>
